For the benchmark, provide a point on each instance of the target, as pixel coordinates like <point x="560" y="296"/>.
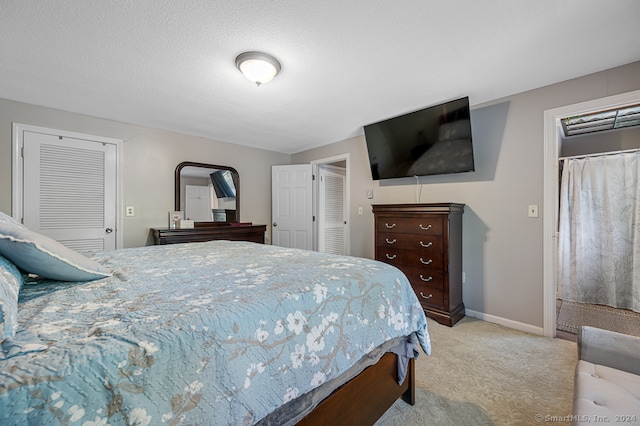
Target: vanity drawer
<point x="424" y="225"/>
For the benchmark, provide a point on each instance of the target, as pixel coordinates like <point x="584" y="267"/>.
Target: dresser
<point x="425" y="242"/>
<point x="253" y="233"/>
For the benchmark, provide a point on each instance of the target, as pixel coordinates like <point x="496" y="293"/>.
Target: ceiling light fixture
<point x="258" y="67"/>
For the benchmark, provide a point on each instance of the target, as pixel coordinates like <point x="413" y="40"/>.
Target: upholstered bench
<point x="607" y="378"/>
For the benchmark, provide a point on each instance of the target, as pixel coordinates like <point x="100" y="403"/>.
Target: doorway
<point x="552" y="145"/>
<point x="298" y="208"/>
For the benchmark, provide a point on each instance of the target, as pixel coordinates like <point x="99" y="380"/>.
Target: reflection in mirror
<point x="207" y="193"/>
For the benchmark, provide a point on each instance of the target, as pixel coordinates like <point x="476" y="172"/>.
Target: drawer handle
<point x="425" y="279"/>
<point x="426" y="297"/>
<point x="429" y="244"/>
<point x="425" y="229"/>
<point x="391" y="257"/>
<point x="426" y="262"/>
<point x="390" y="242"/>
<point x="393" y="225"/>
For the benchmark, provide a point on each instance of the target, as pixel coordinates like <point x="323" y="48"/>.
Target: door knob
<point x="275" y="223"/>
<point x="108" y="230"/>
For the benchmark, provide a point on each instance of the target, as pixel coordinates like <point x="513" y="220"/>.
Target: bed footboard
<point x="365" y="398"/>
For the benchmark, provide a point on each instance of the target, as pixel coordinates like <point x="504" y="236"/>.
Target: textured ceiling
<point x="170" y="64"/>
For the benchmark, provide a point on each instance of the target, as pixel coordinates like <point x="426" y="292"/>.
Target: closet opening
<point x="331" y="205"/>
<point x="592" y="208"/>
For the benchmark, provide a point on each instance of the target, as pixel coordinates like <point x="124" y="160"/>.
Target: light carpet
<point x="481" y="373"/>
<point x="572" y="315"/>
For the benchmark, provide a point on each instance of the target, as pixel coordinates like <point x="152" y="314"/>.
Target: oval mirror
<point x="207" y="193"/>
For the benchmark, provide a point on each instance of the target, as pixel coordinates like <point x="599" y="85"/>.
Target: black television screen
<point x="223" y="185"/>
<point x="431" y="141"/>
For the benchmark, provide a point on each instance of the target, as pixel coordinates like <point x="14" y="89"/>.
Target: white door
<point x="332" y="223"/>
<point x="291" y="210"/>
<point x="198" y="203"/>
<point x="69" y="190"/>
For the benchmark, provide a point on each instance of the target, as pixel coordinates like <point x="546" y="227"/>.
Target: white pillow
<point x="37" y="254"/>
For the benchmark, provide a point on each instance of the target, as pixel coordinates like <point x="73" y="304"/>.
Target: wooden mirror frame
<point x="236" y="182"/>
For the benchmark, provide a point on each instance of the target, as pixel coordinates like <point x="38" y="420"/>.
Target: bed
<point x="219" y="332"/>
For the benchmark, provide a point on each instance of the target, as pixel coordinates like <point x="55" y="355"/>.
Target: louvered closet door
<point x="332" y="215"/>
<point x="70" y="191"/>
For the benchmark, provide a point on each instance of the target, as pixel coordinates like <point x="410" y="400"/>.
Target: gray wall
<point x="503" y="248"/>
<point x="149" y="159"/>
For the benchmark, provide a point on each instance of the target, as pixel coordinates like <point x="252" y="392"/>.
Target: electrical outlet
<point x="533" y="210"/>
<point x="130" y="211"/>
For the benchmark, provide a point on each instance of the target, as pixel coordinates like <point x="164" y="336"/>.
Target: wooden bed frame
<point x="365" y="398"/>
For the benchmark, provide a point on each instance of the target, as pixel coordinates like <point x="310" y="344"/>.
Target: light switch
<point x="533" y="210"/>
<point x="359" y="210"/>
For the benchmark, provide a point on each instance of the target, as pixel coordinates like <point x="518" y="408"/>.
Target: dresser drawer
<point x="214" y="231"/>
<point x="421" y="243"/>
<point x="424" y="225"/>
<point x="421" y="276"/>
<point x="429" y="296"/>
<point x="415" y="258"/>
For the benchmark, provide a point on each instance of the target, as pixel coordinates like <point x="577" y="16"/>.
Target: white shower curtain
<point x="599" y="231"/>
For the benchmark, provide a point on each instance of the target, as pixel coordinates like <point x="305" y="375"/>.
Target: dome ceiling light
<point x="258" y="67"/>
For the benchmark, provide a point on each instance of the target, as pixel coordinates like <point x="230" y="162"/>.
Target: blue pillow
<point x="10" y="283"/>
<point x="37" y="254"/>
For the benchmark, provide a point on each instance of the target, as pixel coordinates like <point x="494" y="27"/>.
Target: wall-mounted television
<point x="432" y="141"/>
<point x="223" y="185"/>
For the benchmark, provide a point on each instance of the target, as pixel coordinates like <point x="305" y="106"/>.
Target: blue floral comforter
<point x="204" y="333"/>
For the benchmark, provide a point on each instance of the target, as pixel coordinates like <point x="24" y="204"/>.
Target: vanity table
<point x="240" y="232"/>
<point x="209" y="195"/>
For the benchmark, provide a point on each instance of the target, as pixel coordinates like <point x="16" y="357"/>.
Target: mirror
<point x="207" y="193"/>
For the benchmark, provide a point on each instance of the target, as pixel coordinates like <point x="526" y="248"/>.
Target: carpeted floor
<point x="482" y="373"/>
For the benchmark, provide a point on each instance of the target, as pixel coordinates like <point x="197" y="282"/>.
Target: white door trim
<point x="550" y="190"/>
<point x="347" y="196"/>
<point x="17" y="179"/>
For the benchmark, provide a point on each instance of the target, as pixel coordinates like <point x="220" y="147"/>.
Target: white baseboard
<point x="528" y="328"/>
